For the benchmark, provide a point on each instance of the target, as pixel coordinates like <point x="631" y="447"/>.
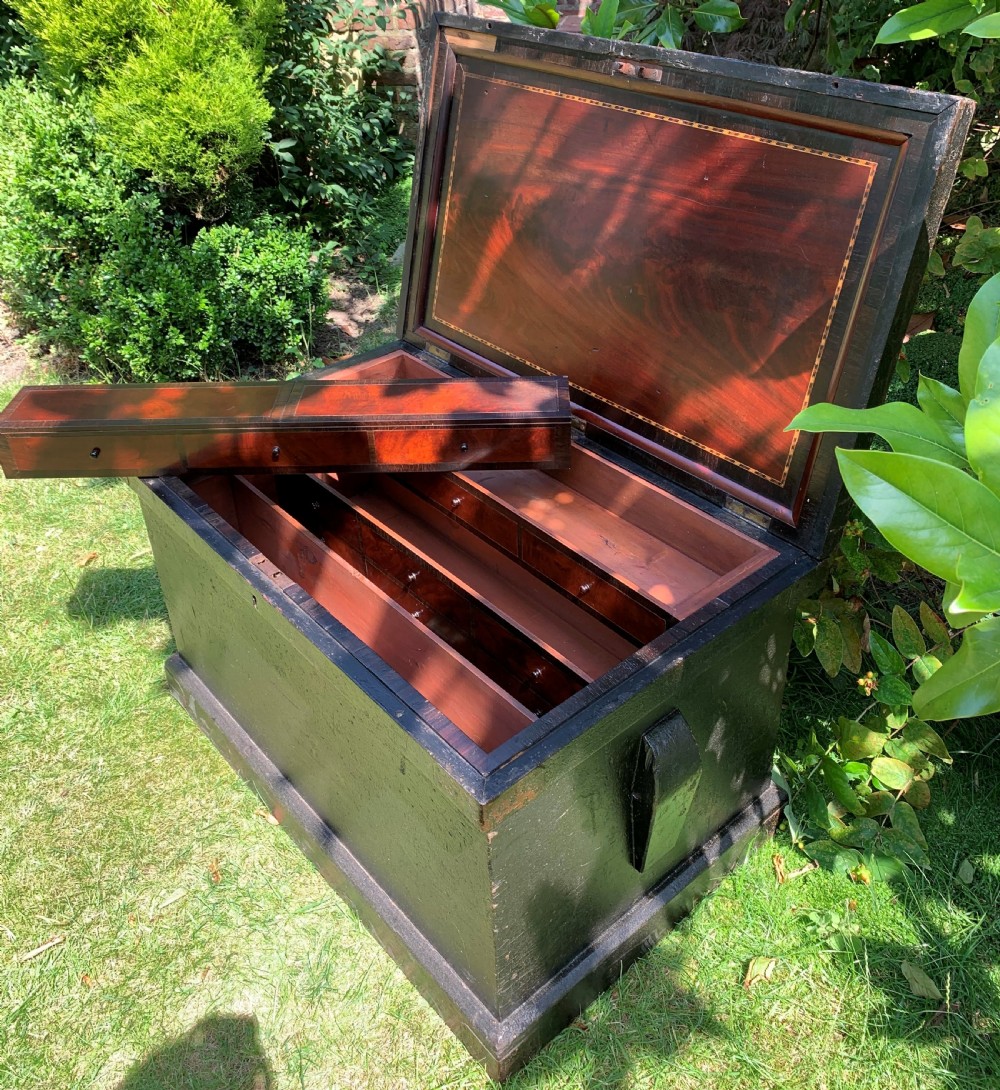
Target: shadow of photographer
<point x="220" y="1052"/>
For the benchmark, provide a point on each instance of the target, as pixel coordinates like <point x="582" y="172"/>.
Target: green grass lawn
<point x="193" y="947"/>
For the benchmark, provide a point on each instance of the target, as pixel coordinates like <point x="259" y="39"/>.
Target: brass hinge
<point x="438" y="352"/>
<point x="751" y="514"/>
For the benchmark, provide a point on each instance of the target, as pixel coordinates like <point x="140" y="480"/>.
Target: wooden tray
<point x="395" y="424"/>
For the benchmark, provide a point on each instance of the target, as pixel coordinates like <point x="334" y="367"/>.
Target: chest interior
<point x="497" y="595"/>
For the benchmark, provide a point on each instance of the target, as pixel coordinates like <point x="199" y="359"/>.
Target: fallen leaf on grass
<point x="87" y="980"/>
<point x="779" y="868"/>
<point x="174" y="897"/>
<point x="759" y="969"/>
<point x="966" y="872"/>
<point x="89" y="558"/>
<point x="214" y="872"/>
<point x="810" y="866"/>
<point x="920" y="983"/>
<point x="57" y="940"/>
<point x="262" y="811"/>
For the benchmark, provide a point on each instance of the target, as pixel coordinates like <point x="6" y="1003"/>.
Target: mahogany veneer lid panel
<point x="687" y="276"/>
<point x="702" y="252"/>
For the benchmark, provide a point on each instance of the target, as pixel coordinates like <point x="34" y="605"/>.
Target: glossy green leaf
<point x="829" y="644"/>
<point x="904" y="427"/>
<point x="670" y="28"/>
<point x="833" y="857"/>
<point x="982" y="327"/>
<point x="982" y="421"/>
<point x="601" y="23"/>
<point x="976" y="594"/>
<point x="894" y="691"/>
<point x="906" y="635"/>
<point x="894" y="774"/>
<point x="926" y="739"/>
<point x="857" y="742"/>
<point x="945" y="406"/>
<point x="969" y="682"/>
<point x="544" y="14"/>
<point x="935" y="514"/>
<point x="958" y="616"/>
<point x="887" y="658"/>
<point x="924" y="667"/>
<point x="926" y="20"/>
<point x="836" y="780"/>
<point x="986" y="27"/>
<point x="718" y="16"/>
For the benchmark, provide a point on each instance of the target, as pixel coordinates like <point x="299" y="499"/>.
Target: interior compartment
<point x="622" y="547"/>
<point x="479" y="615"/>
<point x="497" y="595"/>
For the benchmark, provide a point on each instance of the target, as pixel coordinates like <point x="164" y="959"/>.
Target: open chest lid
<point x="702" y="246"/>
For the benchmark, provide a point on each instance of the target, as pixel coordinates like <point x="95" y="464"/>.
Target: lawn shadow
<point x="220" y="1052"/>
<point x="104" y="596"/>
<point x="650" y="1014"/>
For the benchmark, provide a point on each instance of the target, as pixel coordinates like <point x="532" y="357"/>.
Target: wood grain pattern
<point x="614" y="543"/>
<point x="387" y="424"/>
<point x="676" y="270"/>
<point x="473" y="702"/>
<point x="483" y="631"/>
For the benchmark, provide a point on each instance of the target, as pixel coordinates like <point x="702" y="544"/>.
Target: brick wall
<point x="401" y="40"/>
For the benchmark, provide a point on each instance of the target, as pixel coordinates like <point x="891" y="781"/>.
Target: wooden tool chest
<point x="522" y="718"/>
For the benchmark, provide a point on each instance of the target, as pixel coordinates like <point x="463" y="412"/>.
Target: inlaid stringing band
<point x="871" y="166"/>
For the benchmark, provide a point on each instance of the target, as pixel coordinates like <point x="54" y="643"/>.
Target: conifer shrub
<point x="187" y="105"/>
<point x="83" y="42"/>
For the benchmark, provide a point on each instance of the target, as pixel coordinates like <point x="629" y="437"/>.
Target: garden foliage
<point x="187" y="106"/>
<point x="160" y="183"/>
<point x="934" y="496"/>
<point x="334" y="138"/>
<point x="649" y="22"/>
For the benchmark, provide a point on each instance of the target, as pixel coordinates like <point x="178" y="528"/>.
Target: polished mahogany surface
<point x="695" y="271"/>
<point x="406" y="423"/>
